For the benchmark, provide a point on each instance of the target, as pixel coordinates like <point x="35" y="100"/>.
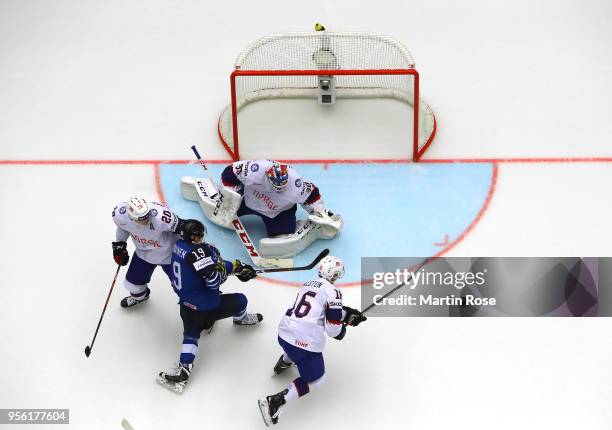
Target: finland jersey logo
<point x="254" y="167"/>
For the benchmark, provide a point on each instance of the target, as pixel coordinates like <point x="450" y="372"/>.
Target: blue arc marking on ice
<point x="389" y="210"/>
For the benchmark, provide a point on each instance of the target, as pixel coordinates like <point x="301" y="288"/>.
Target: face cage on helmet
<point x="145" y="217"/>
<point x="278" y="186"/>
<point x="197" y="237"/>
<point x="278" y="183"/>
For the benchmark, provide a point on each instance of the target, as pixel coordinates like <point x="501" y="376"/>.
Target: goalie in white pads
<point x="272" y="191"/>
<point x="316" y="312"/>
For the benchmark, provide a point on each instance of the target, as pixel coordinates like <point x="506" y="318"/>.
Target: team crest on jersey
<point x="254" y="167"/>
<point x="298" y="183"/>
<point x="122" y="210"/>
<point x="153" y="213"/>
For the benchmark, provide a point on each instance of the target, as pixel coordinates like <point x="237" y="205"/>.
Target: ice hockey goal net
<point x="350" y="65"/>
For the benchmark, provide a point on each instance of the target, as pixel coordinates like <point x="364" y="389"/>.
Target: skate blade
<point x="263" y="408"/>
<point x="172" y="386"/>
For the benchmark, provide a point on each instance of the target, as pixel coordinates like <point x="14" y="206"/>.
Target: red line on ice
<point x="323" y="161"/>
<point x="492" y="186"/>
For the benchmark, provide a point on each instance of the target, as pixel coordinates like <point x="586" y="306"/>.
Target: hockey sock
<point x="189" y="351"/>
<point x="286" y="359"/>
<point x="140" y="296"/>
<point x="300" y="388"/>
<point x="241" y="315"/>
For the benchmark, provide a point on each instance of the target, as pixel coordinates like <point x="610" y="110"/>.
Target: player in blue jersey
<point x="198" y="270"/>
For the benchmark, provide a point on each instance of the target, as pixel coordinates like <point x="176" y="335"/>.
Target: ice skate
<point x="281" y="365"/>
<point x="129" y="301"/>
<point x="271" y="407"/>
<point x="249" y="319"/>
<point x="176" y="380"/>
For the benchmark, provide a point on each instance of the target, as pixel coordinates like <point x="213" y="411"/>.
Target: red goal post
<point x="267" y="69"/>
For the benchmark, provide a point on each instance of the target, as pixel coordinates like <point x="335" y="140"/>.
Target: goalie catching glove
<point x="353" y="317"/>
<point x="244" y="272"/>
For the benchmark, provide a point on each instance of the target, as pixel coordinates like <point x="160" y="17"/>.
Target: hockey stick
<point x="245" y="239"/>
<point x="88" y="348"/>
<point x="293" y="269"/>
<point x="397" y="287"/>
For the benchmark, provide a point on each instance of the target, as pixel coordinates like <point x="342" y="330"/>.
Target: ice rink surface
<point x="98" y="101"/>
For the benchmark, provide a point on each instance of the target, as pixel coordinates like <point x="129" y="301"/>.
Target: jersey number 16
<point x="301" y="309"/>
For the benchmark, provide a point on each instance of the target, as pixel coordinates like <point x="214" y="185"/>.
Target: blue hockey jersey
<point x="197" y="271"/>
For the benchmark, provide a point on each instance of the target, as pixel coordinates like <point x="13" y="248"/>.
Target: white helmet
<point x="331" y="268"/>
<point x="137" y="209"/>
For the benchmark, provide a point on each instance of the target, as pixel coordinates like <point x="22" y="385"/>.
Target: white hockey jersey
<point x="261" y="197"/>
<point x="153" y="241"/>
<point x="317" y="311"/>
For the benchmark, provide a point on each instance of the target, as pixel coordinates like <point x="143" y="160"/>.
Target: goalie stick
<point x="245" y="239"/>
<point x="316" y="261"/>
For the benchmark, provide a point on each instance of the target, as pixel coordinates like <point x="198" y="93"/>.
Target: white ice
<point x="136" y="80"/>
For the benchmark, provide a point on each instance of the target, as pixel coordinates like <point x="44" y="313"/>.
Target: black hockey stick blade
<point x="320" y="257"/>
<point x="87" y="350"/>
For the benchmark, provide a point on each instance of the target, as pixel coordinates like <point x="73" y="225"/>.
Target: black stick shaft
<point x="320" y="257"/>
<point x="90" y="347"/>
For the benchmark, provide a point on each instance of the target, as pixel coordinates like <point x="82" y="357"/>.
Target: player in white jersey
<point x="154" y="229"/>
<point x="316" y="312"/>
<point x="272" y="190"/>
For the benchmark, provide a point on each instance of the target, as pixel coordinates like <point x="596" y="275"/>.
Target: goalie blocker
<point x="220" y="207"/>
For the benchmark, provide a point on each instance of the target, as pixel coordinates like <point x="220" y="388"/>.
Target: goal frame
<point x="239" y="73"/>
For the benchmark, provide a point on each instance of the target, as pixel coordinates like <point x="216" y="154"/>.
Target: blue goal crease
<point x="389" y="210"/>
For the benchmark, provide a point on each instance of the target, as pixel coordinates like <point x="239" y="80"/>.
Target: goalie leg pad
<point x="292" y="244"/>
<point x="219" y="206"/>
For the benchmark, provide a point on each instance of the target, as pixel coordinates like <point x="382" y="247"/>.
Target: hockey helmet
<point x="278" y="176"/>
<point x="331" y="268"/>
<point x="137" y="209"/>
<point x="191" y="228"/>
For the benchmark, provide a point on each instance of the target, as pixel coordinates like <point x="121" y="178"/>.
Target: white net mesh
<point x="325" y="51"/>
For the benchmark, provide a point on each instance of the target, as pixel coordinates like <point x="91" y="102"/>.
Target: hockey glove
<point x="120" y="253"/>
<point x="221" y="269"/>
<point x="353" y="317"/>
<point x="244" y="272"/>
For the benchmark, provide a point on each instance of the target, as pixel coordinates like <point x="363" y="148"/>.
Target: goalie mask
<point x="278" y="176"/>
<point x="138" y="209"/>
<point x="331" y="268"/>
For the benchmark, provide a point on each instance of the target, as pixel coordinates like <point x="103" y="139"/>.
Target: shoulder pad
<point x="161" y="216"/>
<point x="120" y="213"/>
